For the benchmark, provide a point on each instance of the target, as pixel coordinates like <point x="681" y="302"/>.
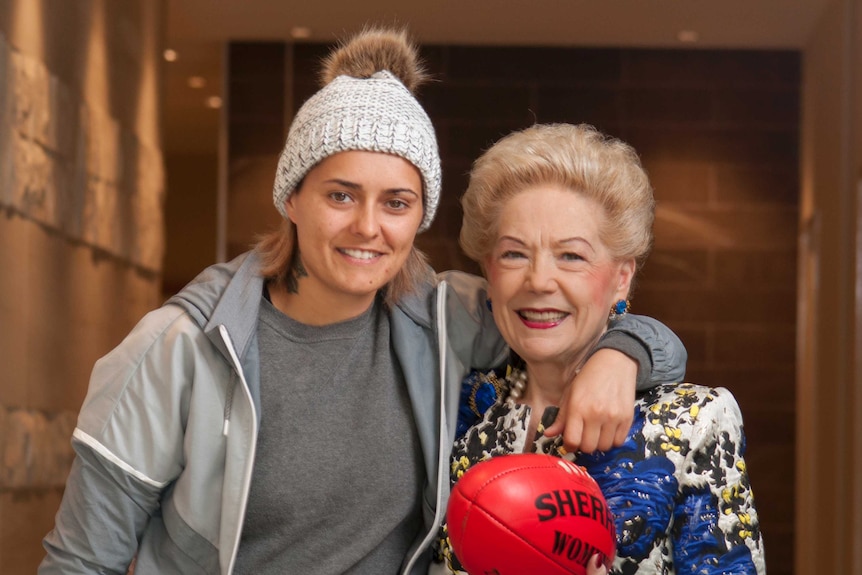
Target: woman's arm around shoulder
<point x="635" y="335"/>
<point x="636" y="353"/>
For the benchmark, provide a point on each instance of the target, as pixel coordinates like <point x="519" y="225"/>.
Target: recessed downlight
<point x="688" y="36"/>
<point x="300" y="32"/>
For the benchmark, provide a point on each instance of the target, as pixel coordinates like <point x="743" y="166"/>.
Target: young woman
<point x="292" y="411"/>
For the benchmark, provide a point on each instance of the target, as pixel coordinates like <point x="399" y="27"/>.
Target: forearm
<point x="100" y="519"/>
<point x="660" y="354"/>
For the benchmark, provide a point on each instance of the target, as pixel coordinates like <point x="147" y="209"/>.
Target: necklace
<point x="517" y="383"/>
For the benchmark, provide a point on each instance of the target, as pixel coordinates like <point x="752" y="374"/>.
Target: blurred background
<point x="139" y="138"/>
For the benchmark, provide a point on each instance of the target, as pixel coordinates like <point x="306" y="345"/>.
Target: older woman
<point x="560" y="219"/>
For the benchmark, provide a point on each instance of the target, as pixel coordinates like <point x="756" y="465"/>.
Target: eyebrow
<point x="565" y="241"/>
<point x="576" y="239"/>
<point x="355" y="186"/>
<point x="345" y="183"/>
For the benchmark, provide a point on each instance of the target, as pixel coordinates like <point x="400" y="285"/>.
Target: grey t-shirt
<point x="336" y="486"/>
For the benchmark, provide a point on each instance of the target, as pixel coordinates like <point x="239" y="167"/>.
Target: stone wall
<point x="81" y="230"/>
<point x="73" y="168"/>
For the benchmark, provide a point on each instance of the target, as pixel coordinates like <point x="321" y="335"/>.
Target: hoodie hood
<point x="225" y="294"/>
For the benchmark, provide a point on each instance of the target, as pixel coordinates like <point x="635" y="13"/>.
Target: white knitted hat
<point x="375" y="114"/>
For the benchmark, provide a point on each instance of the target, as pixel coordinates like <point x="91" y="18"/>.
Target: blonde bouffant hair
<point x="579" y="158"/>
<point x="371" y="51"/>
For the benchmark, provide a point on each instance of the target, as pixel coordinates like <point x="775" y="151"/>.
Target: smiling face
<point x="551" y="279"/>
<point x="356" y="215"/>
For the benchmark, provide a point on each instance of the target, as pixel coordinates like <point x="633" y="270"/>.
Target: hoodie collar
<point x="226" y="294"/>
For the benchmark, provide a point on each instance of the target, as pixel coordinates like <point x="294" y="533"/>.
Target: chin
<point x="367" y="288"/>
<point x="361" y="292"/>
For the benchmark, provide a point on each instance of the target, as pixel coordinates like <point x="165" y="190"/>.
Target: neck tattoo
<point x="297" y="271"/>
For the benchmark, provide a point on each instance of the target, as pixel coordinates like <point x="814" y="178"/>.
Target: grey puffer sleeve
<point x="129" y="446"/>
<point x="660" y="354"/>
<point x="103" y="514"/>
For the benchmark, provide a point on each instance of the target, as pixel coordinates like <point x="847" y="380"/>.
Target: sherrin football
<point x="529" y="514"/>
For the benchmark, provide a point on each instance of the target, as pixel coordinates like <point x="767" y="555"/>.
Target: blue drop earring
<point x="619" y="309"/>
<point x="489" y="305"/>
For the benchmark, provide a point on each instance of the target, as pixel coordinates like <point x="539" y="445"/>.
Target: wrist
<point x="629" y="352"/>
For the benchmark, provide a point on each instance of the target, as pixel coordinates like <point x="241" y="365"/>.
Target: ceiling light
<point x="300" y="32"/>
<point x="197" y="82"/>
<point x="688" y="36"/>
<point x="170" y="55"/>
<point x="213" y="102"/>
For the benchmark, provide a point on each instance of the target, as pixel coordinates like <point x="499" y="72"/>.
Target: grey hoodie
<point x="165" y="441"/>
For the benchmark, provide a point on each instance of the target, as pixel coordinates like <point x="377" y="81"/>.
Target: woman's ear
<point x="290" y="207"/>
<point x="625" y="277"/>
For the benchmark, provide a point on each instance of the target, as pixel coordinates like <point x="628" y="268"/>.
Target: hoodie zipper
<point x="442" y="466"/>
<point x="248" y="470"/>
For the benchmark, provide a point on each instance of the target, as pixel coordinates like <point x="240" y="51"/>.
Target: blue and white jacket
<point x="678" y="487"/>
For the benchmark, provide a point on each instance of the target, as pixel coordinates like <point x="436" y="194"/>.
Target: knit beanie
<point x="364" y="105"/>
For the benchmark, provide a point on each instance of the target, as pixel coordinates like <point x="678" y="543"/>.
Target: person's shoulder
<point x="461" y="281"/>
<point x="200" y="296"/>
<point x="462" y="288"/>
<point x="162" y="328"/>
<point x="697" y="401"/>
<point x="466" y="292"/>
<point x="706" y="395"/>
<point x="666" y="391"/>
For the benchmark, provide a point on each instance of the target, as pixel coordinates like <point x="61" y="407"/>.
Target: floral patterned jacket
<point x="678" y="486"/>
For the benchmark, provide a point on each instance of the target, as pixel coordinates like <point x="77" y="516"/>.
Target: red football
<point x="527" y="514"/>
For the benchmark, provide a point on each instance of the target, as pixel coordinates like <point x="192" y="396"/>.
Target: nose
<point x="366" y="222"/>
<point x="541" y="276"/>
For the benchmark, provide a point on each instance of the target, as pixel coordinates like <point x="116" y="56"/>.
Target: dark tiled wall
<point x="718" y="131"/>
<point x="257" y="96"/>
